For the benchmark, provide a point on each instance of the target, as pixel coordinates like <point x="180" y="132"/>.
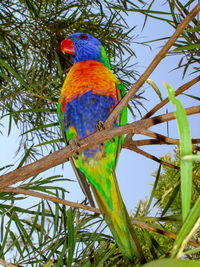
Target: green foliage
<point x="191" y="224"/>
<point x="172" y="262"/>
<point x="168" y="193"/>
<point x="45" y="235"/>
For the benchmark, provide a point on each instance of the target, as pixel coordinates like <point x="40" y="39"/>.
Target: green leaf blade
<point x="185" y="149"/>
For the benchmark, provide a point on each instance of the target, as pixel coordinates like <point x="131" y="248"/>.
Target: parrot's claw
<point x="74" y="144"/>
<point x="100" y="126"/>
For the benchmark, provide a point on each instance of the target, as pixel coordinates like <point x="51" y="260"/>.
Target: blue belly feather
<point x="85" y="112"/>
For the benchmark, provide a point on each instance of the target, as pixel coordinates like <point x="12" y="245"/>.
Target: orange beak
<point x="67" y="46"/>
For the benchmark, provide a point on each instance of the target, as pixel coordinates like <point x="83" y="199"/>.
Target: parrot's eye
<point x="83" y="37"/>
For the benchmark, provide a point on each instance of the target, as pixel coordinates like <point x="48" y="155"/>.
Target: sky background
<point x="134" y="172"/>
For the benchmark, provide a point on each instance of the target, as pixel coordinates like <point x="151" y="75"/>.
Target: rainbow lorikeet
<point x="90" y="92"/>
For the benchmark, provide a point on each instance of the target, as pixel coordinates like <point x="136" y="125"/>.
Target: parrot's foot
<point x="74" y="144"/>
<point x="100" y="126"/>
<point x="112" y="140"/>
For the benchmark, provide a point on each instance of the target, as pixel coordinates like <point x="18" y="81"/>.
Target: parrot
<point x="89" y="94"/>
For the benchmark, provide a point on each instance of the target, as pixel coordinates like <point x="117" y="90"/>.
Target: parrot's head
<point x="83" y="46"/>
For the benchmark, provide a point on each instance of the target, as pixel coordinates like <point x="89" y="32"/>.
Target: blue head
<point x="83" y="46"/>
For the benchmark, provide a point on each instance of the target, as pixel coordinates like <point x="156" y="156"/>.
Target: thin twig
<point x="18" y="190"/>
<point x="160" y="137"/>
<point x="180" y="90"/>
<point x="114" y="114"/>
<point x="160" y="231"/>
<point x="146" y="142"/>
<point x="132" y="147"/>
<point x="182" y="15"/>
<point x="128" y="144"/>
<point x="146" y="123"/>
<point x="6" y="264"/>
<point x="38" y="96"/>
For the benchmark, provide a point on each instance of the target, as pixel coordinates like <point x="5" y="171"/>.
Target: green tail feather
<point x="119" y="221"/>
<point x="99" y="170"/>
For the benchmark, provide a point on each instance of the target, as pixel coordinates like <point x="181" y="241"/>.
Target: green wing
<point x="122" y="121"/>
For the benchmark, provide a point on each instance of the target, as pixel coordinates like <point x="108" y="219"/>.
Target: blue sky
<point x="133" y="171"/>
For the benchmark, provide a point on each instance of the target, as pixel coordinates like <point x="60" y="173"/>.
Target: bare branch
<point x="180" y="90"/>
<point x="146" y="123"/>
<point x="146" y="142"/>
<point x="132" y="147"/>
<point x="114" y="114"/>
<point x="17" y="190"/>
<point x="129" y="145"/>
<point x="162" y="138"/>
<point x="63" y="154"/>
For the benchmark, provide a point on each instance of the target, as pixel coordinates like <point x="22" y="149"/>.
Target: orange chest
<point x="88" y="76"/>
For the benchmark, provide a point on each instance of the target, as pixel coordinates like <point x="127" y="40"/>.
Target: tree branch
<point x="17" y="190"/>
<point x="146" y="142"/>
<point x="162" y="138"/>
<point x="146" y="123"/>
<point x="180" y="90"/>
<point x="63" y="154"/>
<point x="160" y="231"/>
<point x="6" y="264"/>
<point x="114" y="114"/>
<point x="129" y="145"/>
